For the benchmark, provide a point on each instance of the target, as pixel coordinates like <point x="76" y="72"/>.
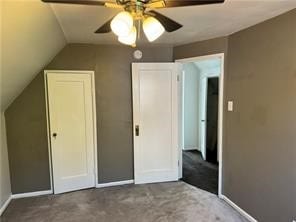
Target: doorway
<point x="201" y="122"/>
<point x="211" y="135"/>
<point x="71" y="129"/>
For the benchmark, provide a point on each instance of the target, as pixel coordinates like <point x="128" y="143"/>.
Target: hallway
<point x="199" y="173"/>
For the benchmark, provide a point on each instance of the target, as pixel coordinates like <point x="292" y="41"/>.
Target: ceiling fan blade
<point x="181" y="3"/>
<point x="113" y="5"/>
<point x="169" y="24"/>
<point x="155" y="4"/>
<point x="77" y="2"/>
<point x="105" y="28"/>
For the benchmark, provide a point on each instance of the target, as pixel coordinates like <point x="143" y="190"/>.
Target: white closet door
<point x="155" y="104"/>
<point x="71" y="127"/>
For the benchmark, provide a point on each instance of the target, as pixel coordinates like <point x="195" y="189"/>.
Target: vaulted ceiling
<point x="209" y="66"/>
<point x="33" y="32"/>
<point x="30" y="37"/>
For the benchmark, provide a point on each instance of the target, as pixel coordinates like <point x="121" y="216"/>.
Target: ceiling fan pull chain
<point x="139" y="29"/>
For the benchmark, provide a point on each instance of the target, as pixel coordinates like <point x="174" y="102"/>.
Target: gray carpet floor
<point x="162" y="202"/>
<point x="200" y="173"/>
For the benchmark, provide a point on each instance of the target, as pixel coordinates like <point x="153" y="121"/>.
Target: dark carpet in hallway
<point x="199" y="172"/>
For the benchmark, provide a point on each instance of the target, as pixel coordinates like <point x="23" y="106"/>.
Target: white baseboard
<point x="111" y="184"/>
<point x="31" y="194"/>
<point x="237" y="208"/>
<point x="47" y="192"/>
<point x="190" y="148"/>
<point x="5" y="205"/>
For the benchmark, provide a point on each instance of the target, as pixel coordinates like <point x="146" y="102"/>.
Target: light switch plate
<point x="230" y="106"/>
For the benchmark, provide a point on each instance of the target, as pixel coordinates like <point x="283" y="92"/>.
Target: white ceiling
<point x="30" y="37"/>
<point x="200" y="22"/>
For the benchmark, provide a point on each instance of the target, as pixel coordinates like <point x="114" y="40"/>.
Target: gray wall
<point x="259" y="156"/>
<point x="27" y="141"/>
<point x="191" y="106"/>
<point x="5" y="190"/>
<point x="26" y="118"/>
<point x="207" y="47"/>
<point x="259" y="136"/>
<point x="260" y="175"/>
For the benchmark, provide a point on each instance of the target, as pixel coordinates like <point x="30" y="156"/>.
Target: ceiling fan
<point x="136" y="13"/>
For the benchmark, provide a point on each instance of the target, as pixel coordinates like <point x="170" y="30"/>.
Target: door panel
<point x="71" y="119"/>
<point x="203" y="115"/>
<point x="155" y="112"/>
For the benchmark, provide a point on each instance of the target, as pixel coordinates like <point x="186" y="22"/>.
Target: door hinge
<point x="178" y="78"/>
<point x="178" y="162"/>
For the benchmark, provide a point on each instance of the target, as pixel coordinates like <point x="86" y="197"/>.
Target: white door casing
<point x="71" y="118"/>
<point x="155" y="112"/>
<point x="220" y="109"/>
<point x="203" y="115"/>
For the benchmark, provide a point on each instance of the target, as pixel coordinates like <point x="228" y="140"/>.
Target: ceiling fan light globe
<point x="122" y="24"/>
<point x="153" y="29"/>
<point x="129" y="39"/>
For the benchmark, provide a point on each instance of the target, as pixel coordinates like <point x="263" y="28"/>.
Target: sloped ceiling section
<point x="209" y="66"/>
<point x="30" y="37"/>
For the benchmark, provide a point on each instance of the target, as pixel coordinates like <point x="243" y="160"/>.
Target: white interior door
<point x="203" y="115"/>
<point x="155" y="104"/>
<point x="71" y="115"/>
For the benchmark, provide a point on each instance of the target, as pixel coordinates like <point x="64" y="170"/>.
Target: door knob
<point x="137" y="129"/>
<point x="54" y="135"/>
